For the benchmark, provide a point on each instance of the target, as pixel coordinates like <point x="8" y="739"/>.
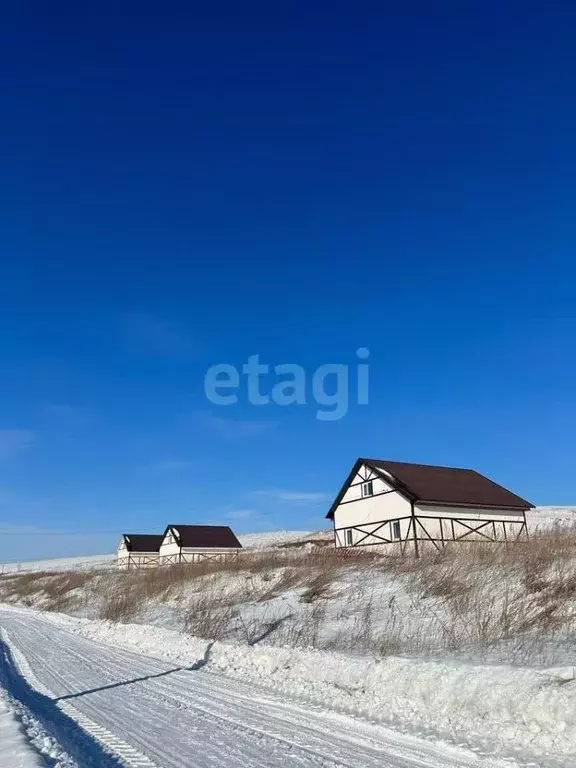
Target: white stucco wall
<point x="127" y="559"/>
<point x="368" y="513"/>
<point x="507" y="525"/>
<point x="169" y="546"/>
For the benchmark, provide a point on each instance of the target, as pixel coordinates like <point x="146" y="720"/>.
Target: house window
<point x="348" y="537"/>
<point x="367" y="489"/>
<point x="396" y="529"/>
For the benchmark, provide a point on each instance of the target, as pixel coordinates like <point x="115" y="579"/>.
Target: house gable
<point x="170" y="543"/>
<point x="366" y="505"/>
<point x="361" y="473"/>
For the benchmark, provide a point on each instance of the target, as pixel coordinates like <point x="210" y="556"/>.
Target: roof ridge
<point x="195" y="525"/>
<point x="419" y="464"/>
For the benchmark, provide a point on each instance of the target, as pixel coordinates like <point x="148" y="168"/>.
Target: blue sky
<point x="184" y="186"/>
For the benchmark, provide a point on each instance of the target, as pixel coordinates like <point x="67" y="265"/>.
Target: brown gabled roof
<point x="429" y="484"/>
<point x="143" y="542"/>
<point x="204" y="536"/>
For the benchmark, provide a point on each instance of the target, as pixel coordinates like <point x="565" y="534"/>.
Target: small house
<point x="402" y="507"/>
<point x="138" y="550"/>
<point x="195" y="543"/>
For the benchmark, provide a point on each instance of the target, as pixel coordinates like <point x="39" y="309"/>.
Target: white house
<point x="194" y="543"/>
<point x="138" y="550"/>
<point x="403" y="507"/>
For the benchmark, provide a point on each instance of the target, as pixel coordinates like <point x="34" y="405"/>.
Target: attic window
<point x="367" y="489"/>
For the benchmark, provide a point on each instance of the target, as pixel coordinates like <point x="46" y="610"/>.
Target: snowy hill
<point x="263" y="540"/>
<point x="83" y="562"/>
<point x="548" y="517"/>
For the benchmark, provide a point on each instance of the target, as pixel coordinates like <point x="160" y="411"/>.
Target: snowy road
<point x="107" y="707"/>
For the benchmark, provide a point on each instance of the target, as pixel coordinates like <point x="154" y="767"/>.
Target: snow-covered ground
<point x="15" y="748"/>
<point x="133" y="697"/>
<point x="542" y="518"/>
<point x="83" y="562"/>
<point x="276" y="538"/>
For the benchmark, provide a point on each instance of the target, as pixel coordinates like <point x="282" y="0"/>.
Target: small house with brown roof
<point x="138" y="550"/>
<point x="404" y="507"/>
<point x="195" y="543"/>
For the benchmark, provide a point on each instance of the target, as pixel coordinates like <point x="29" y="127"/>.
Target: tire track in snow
<point x="177" y="717"/>
<point x="213" y="711"/>
<point x="129" y="756"/>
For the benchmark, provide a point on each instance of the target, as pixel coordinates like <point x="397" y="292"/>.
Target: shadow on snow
<point x="79" y="744"/>
<point x="192" y="668"/>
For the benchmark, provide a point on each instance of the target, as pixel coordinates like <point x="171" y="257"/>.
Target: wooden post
<point x="415" y="535"/>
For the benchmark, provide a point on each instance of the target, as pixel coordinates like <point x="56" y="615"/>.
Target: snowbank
<point x="493" y="708"/>
<point x="15" y="750"/>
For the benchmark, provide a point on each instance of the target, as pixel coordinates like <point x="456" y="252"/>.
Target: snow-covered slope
<point x="82" y="562"/>
<point x="164" y="695"/>
<point x="541" y="518"/>
<point x="280" y="538"/>
<point x="269" y="538"/>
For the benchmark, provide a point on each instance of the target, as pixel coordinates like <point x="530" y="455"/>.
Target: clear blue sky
<point x="186" y="184"/>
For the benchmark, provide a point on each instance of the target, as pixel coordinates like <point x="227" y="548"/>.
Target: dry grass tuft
<point x="208" y="616"/>
<point x="118" y="607"/>
<point x="319" y="585"/>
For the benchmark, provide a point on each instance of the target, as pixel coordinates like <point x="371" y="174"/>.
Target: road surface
<point x="108" y="707"/>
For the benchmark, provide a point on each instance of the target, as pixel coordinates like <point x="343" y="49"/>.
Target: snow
<point x="541" y="518"/>
<point x="15" y="749"/>
<point x="104" y="701"/>
<point x="59" y="564"/>
<point x="494" y="709"/>
<point x="271" y="538"/>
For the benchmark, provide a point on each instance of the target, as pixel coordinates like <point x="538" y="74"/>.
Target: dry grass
<point x="207" y="616"/>
<point x="119" y="607"/>
<point x="57" y="591"/>
<point x="319" y="584"/>
<point x="515" y="601"/>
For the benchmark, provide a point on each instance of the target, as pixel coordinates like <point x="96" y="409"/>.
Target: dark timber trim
<point x="479" y="531"/>
<point x="416" y="551"/>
